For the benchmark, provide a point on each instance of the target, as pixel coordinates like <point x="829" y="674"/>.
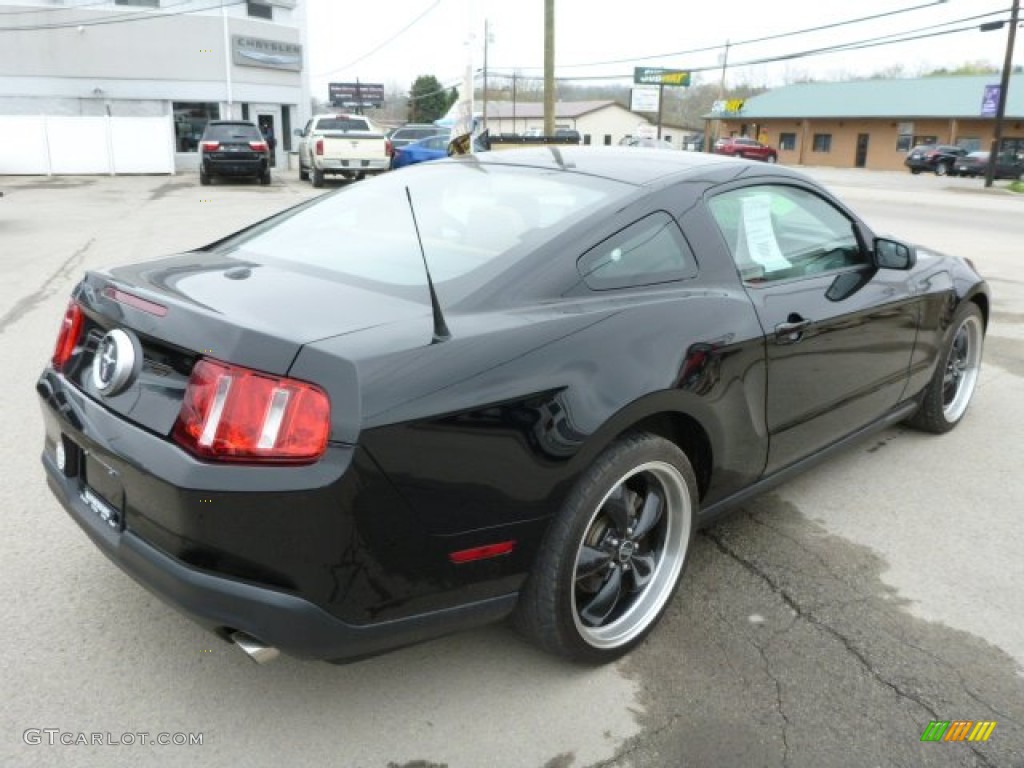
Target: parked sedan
<point x="936" y="158"/>
<point x="740" y="146"/>
<point x="233" y="148"/>
<point x="1008" y="165"/>
<point x="433" y="148"/>
<point x="407" y="134"/>
<point x="512" y="383"/>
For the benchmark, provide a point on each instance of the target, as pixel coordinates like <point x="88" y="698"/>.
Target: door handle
<point x="792" y="330"/>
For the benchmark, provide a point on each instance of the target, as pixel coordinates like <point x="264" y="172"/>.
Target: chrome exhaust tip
<point x="254" y="649"/>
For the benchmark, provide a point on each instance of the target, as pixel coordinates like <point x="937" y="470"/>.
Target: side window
<point x="780" y="232"/>
<point x="646" y="252"/>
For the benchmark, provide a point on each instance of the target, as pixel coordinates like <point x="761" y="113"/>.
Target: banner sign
<point x="990" y="101"/>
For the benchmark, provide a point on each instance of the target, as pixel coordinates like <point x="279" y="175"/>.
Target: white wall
<point x="41" y="145"/>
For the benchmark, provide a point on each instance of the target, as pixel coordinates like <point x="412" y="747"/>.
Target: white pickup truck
<point x="350" y="145"/>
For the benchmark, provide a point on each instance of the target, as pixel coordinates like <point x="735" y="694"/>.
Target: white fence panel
<point x="78" y="145"/>
<point x="142" y="144"/>
<point x="41" y="145"/>
<point x="23" y="145"/>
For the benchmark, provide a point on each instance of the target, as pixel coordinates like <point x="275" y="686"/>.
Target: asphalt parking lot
<point x="825" y="624"/>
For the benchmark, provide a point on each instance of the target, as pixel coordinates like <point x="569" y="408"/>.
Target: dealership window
<point x="822" y="142"/>
<point x="144" y="3"/>
<point x="925" y="140"/>
<point x="787" y="141"/>
<point x="190" y="119"/>
<point x="970" y="143"/>
<point x="607" y="139"/>
<point x="259" y="10"/>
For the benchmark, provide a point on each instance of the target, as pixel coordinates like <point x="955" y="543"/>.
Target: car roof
<point x="633" y="165"/>
<point x="249" y="123"/>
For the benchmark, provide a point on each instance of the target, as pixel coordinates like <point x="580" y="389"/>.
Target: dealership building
<point x="127" y="86"/>
<point x="874" y="123"/>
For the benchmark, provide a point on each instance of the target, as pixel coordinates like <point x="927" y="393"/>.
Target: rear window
<point x="223" y="132"/>
<point x="342" y="124"/>
<point x="476" y="220"/>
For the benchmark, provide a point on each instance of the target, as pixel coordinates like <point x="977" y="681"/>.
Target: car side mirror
<point x="299" y="132"/>
<point x="892" y="254"/>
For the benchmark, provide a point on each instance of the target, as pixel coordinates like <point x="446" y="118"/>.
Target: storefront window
<point x="190" y="119"/>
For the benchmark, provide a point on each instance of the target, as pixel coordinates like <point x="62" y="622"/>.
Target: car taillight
<point x="232" y="413"/>
<point x="209" y="146"/>
<point x="319" y="146"/>
<point x="389" y="148"/>
<point x="67" y="338"/>
<point x="259" y="146"/>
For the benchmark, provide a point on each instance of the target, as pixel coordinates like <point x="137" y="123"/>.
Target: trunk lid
<point x="209" y="305"/>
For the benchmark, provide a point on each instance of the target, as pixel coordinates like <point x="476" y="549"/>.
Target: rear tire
<point x="204" y="179"/>
<point x="949" y="392"/>
<point x="915" y="171"/>
<point x="265" y="178"/>
<point x="771" y="159"/>
<point x="318" y="178"/>
<point x="613" y="556"/>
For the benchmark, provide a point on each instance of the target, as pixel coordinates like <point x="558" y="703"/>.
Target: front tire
<point x="942" y="169"/>
<point x="771" y="159"/>
<point x="614" y="554"/>
<point x="949" y="393"/>
<point x="303" y="173"/>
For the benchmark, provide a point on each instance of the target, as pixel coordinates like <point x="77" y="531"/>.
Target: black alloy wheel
<point x="615" y="554"/>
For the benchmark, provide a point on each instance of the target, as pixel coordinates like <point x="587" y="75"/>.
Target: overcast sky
<point x="344" y="36"/>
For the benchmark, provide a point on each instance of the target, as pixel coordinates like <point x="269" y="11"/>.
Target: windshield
<point x="476" y="220"/>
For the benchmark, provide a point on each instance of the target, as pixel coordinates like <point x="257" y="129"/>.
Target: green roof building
<point x="873" y="123"/>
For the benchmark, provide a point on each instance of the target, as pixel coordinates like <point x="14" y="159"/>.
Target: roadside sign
<point x="644" y="99"/>
<point x="661" y="76"/>
<point x="356" y="94"/>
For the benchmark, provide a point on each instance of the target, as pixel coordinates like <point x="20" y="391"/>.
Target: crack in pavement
<point x="27" y="303"/>
<point x="831" y="631"/>
<point x="778" y="699"/>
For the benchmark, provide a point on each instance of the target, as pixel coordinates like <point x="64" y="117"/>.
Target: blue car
<point x="420" y="151"/>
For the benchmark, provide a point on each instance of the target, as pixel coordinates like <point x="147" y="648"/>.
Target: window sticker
<point x="757" y="241"/>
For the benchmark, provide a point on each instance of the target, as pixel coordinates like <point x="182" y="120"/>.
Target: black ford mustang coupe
<point x="505" y="384"/>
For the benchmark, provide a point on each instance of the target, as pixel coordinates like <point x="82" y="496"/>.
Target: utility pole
<point x="1004" y="87"/>
<point x="549" y="67"/>
<point x="708" y="138"/>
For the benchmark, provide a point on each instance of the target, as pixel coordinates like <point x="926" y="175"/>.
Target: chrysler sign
<point x="257" y="52"/>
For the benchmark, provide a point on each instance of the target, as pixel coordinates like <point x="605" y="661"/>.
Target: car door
<point x="839" y="333"/>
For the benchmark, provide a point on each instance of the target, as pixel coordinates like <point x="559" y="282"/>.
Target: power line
<point x="125" y="18"/>
<point x="386" y="42"/>
<point x="31" y="9"/>
<point x="766" y="38"/>
<point x="891" y="39"/>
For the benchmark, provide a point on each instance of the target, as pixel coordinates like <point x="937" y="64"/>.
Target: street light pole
<point x="1004" y="87"/>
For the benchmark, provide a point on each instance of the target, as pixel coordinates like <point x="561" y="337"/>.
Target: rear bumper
<point x="290" y="623"/>
<point x="235" y="167"/>
<point x="331" y="165"/>
<point x="260" y="576"/>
